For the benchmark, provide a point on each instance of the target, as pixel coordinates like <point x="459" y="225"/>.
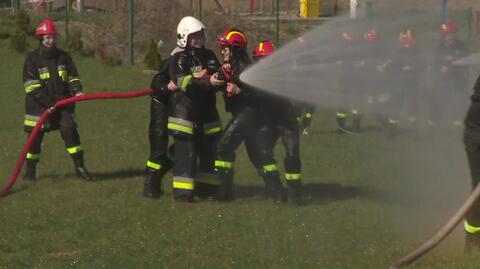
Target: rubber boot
<point x="226" y="189"/>
<point x="80" y="169"/>
<point x="274" y="187"/>
<point x="31" y="170"/>
<point x="152" y="184"/>
<point x="357" y="119"/>
<point x="341" y="121"/>
<point x="472" y="242"/>
<point x="296" y="194"/>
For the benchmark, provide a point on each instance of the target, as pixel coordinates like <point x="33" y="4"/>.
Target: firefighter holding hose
<point x="49" y="75"/>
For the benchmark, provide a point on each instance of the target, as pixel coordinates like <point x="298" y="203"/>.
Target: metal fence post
<point x="67" y="9"/>
<point x="131" y="28"/>
<point x="277" y="39"/>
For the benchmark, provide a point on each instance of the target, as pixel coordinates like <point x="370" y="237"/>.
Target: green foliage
<point x="19" y="40"/>
<point x="22" y="22"/>
<point x="152" y="58"/>
<point x="75" y="43"/>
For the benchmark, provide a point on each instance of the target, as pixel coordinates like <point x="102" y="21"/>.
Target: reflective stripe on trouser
<point x="471" y="229"/>
<point x="356" y="112"/>
<point x="293" y="176"/>
<point x="223" y="164"/>
<point x="180" y="125"/>
<point x="31" y="120"/>
<point x="268" y="168"/>
<point x="74" y="149"/>
<point x="341" y="115"/>
<point x="32" y="156"/>
<point x="154" y="165"/>
<point x="183" y="183"/>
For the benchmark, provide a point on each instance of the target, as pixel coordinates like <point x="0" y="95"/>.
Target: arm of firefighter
<point x="32" y="84"/>
<point x="74" y="83"/>
<point x="185" y="80"/>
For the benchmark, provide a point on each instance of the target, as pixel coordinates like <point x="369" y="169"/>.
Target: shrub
<point x="19" y="40"/>
<point x="152" y="58"/>
<point x="75" y="43"/>
<point x="22" y="22"/>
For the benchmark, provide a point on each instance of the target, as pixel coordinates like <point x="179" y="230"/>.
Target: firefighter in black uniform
<point x="449" y="80"/>
<point x="304" y="112"/>
<point x="349" y="87"/>
<point x="240" y="101"/>
<point x="49" y="75"/>
<point x="471" y="140"/>
<point x="403" y="92"/>
<point x="160" y="161"/>
<point x="278" y="119"/>
<point x="194" y="121"/>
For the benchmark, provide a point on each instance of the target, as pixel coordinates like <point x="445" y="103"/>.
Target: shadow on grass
<point x="318" y="193"/>
<point x="100" y="176"/>
<point x="314" y="193"/>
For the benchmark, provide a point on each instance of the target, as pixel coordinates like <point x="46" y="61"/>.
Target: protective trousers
<point x="472" y="221"/>
<point x="160" y="161"/>
<point x="241" y="128"/>
<point x="64" y="119"/>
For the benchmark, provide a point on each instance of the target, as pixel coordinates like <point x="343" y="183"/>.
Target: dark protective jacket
<point x="247" y="97"/>
<point x="195" y="101"/>
<point x="49" y="75"/>
<point x="472" y="120"/>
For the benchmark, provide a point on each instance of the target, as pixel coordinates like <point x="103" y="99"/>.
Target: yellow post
<point x="309" y="8"/>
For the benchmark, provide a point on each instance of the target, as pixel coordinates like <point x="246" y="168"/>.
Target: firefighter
<point x="194" y="121"/>
<point x="379" y="64"/>
<point x="449" y="80"/>
<point x="160" y="161"/>
<point x="240" y="102"/>
<point x="471" y="140"/>
<point x="349" y="87"/>
<point x="49" y="74"/>
<point x="278" y="119"/>
<point x="304" y="114"/>
<point x="404" y="85"/>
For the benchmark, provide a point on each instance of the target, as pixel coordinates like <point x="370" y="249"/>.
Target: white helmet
<point x="188" y="25"/>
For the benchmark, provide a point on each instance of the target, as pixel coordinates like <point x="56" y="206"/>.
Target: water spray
<point x="4" y="191"/>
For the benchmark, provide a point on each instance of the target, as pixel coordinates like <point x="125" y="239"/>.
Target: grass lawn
<point x="370" y="200"/>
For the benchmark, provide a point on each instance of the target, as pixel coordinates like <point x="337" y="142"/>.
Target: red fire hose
<point x="91" y="96"/>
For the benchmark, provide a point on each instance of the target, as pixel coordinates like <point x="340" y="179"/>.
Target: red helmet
<point x="371" y="36"/>
<point x="406" y="40"/>
<point x="348" y="37"/>
<point x="448" y="28"/>
<point x="264" y="48"/>
<point x="46" y="27"/>
<point x="233" y="37"/>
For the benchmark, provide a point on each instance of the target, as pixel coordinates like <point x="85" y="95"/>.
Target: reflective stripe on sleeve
<point x="183" y="82"/>
<point x="31" y="85"/>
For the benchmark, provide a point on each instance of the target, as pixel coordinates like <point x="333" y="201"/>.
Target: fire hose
<point x="36" y="130"/>
<point x="441" y="234"/>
